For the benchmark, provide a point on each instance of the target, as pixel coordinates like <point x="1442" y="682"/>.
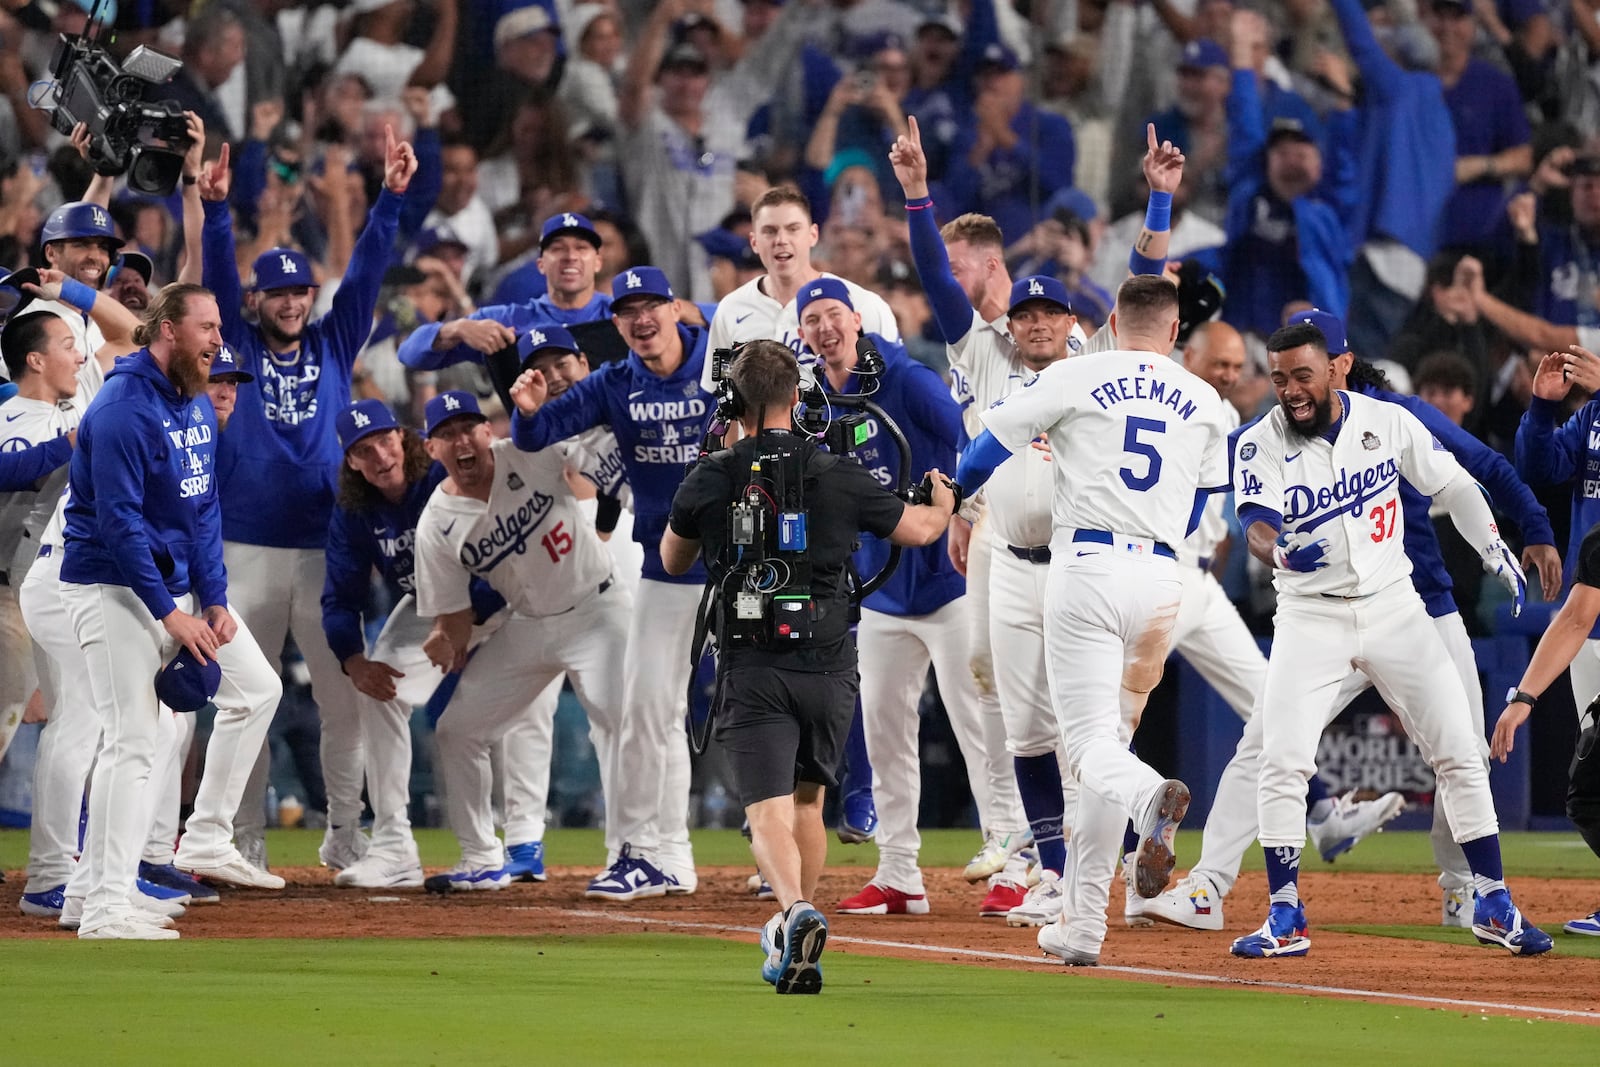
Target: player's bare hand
<point x="1546" y="561"/>
<point x="441" y="651"/>
<point x="372" y="677"/>
<point x="1498" y="561"/>
<point x="910" y="162"/>
<point x="1550" y="382"/>
<point x="216" y="178"/>
<point x="959" y="543"/>
<point x="192" y="633"/>
<point x="1163" y="163"/>
<point x="1583" y="368"/>
<point x="49" y="287"/>
<point x="480" y="335"/>
<point x="222" y="623"/>
<point x="1041" y="445"/>
<point x="399" y="162"/>
<point x="529" y="392"/>
<point x="1505" y="730"/>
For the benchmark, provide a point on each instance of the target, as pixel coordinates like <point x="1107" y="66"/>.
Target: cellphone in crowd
<point x="866" y="81"/>
<point x="40" y="162"/>
<point x="288" y="172"/>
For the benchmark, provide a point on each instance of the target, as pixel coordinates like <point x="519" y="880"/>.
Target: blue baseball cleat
<point x="165" y="874"/>
<point x="525" y="862"/>
<point x="1496" y="921"/>
<point x="45" y="905"/>
<point x="858" y="822"/>
<point x="1283" y="934"/>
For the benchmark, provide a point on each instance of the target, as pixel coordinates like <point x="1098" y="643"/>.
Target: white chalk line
<point x="1142" y="972"/>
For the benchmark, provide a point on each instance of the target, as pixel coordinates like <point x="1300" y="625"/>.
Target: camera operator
<point x="785" y="709"/>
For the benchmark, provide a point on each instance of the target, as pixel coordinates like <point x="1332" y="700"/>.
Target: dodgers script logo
<point x="1349" y="492"/>
<point x="510" y="534"/>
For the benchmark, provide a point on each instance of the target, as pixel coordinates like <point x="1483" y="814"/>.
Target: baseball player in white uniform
<point x="1317" y="484"/>
<point x="1114" y="590"/>
<point x="508" y="517"/>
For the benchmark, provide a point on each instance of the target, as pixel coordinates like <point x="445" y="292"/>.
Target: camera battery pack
<point x="747" y="606"/>
<point x="792" y="617"/>
<point x="792" y="531"/>
<point x="743" y="525"/>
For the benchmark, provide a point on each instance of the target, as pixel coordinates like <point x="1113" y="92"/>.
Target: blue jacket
<point x="1548" y="455"/>
<point x="1324" y="249"/>
<point x="659" y="424"/>
<point x="143" y="511"/>
<point x="383" y="539"/>
<point x="1406" y="160"/>
<point x="20" y="470"/>
<point x="920" y="404"/>
<point x="1566" y="263"/>
<point x="1002" y="186"/>
<point x="1509" y="495"/>
<point x="280" y="456"/>
<point x="417" y="351"/>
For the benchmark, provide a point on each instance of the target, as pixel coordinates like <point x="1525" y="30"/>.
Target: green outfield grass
<point x="1566" y="944"/>
<point x="1526" y="855"/>
<point x="663" y="999"/>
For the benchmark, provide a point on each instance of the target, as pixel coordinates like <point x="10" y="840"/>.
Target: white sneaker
<point x="378" y="871"/>
<point x="252" y="845"/>
<point x="1457" y="907"/>
<point x="1133" y="903"/>
<point x="1193" y="902"/>
<point x="1351" y="820"/>
<point x="1042" y="905"/>
<point x="71" y="913"/>
<point x="127" y="929"/>
<point x="235" y="872"/>
<point x="342" y="846"/>
<point x="169" y="909"/>
<point x="996" y="852"/>
<point x="1052" y="940"/>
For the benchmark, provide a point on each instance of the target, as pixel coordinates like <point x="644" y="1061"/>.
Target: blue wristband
<point x="78" y="295"/>
<point x="1158" y="215"/>
<point x="1141" y="264"/>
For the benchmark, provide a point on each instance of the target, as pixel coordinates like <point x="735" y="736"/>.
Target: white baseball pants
<point x="652" y="751"/>
<point x="895" y="652"/>
<point x="1388" y="637"/>
<point x="524" y="657"/>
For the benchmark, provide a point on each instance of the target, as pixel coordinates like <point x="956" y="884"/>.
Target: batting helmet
<point x="77" y="220"/>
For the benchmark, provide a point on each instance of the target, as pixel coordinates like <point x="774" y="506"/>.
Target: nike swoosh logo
<point x="1291" y="459"/>
<point x="447" y="529"/>
<point x="1085" y="553"/>
<point x="741" y="318"/>
<point x="14" y="418"/>
<point x="636" y="394"/>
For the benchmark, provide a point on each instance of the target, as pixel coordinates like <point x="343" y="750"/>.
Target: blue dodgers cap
<point x="446" y="406"/>
<point x="1202" y="54"/>
<point x="1331" y="328"/>
<point x="1039" y="287"/>
<point x="568" y="222"/>
<point x="225" y="364"/>
<point x="998" y="57"/>
<point x="186" y="684"/>
<point x="361" y="419"/>
<point x="640" y="281"/>
<point x="546" y="339"/>
<point x="822" y="289"/>
<point x="434" y="237"/>
<point x="725" y="244"/>
<point x="281" y="268"/>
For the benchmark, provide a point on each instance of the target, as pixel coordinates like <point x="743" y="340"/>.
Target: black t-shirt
<point x="841" y="498"/>
<point x="1588" y="572"/>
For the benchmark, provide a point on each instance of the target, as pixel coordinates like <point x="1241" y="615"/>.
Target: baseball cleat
<point x="1153" y="865"/>
<point x="996" y="852"/>
<point x="236" y="872"/>
<point x="859" y="820"/>
<point x="252" y="845"/>
<point x="45" y="905"/>
<point x="772" y="948"/>
<point x="1283" y="934"/>
<point x="464" y="878"/>
<point x="1001" y="899"/>
<point x="629" y="878"/>
<point x="1042" y="905"/>
<point x="525" y="862"/>
<point x="878" y="899"/>
<point x="342" y="846"/>
<point x="1350" y="821"/>
<point x="166" y="874"/>
<point x="378" y="871"/>
<point x="1588" y="926"/>
<point x="1496" y="921"/>
<point x="71" y="913"/>
<point x="758" y="886"/>
<point x="1193" y="902"/>
<point x="127" y="929"/>
<point x="804" y="937"/>
<point x="1456" y="907"/>
<point x="1052" y="941"/>
<point x="1132" y="912"/>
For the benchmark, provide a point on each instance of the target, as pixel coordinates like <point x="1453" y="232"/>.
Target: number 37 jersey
<point x="1132" y="434"/>
<point x="530" y="542"/>
<point x="1345" y="491"/>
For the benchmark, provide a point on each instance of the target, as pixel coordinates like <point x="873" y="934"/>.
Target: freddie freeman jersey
<point x="28" y="518"/>
<point x="1170" y="425"/>
<point x="531" y="541"/>
<point x="1345" y="491"/>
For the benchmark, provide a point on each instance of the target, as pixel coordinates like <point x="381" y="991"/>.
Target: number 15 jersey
<point x="1132" y="434"/>
<point x="1345" y="491"/>
<point x="530" y="542"/>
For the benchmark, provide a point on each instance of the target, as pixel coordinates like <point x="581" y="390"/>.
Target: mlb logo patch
<point x="1145" y="366"/>
<point x="1136" y="549"/>
<point x="1369" y="441"/>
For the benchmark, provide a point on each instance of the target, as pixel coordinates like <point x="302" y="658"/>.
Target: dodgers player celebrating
<point x="656" y="407"/>
<point x="1318" y="488"/>
<point x="143" y="551"/>
<point x="281" y="448"/>
<point x="1113" y="591"/>
<point x="507" y="516"/>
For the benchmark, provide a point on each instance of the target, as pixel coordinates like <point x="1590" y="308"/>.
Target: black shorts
<point x="780" y="728"/>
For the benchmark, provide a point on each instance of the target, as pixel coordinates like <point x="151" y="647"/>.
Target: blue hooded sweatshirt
<point x="143" y="511"/>
<point x="1550" y="455"/>
<point x="417" y="351"/>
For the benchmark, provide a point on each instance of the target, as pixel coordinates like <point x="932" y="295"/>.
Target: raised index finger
<point x="1150" y="136"/>
<point x="914" y="130"/>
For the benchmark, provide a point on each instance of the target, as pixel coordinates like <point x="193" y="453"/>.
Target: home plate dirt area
<point x="1383" y="966"/>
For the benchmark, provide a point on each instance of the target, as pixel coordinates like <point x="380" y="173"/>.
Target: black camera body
<point x="766" y="597"/>
<point x="127" y="134"/>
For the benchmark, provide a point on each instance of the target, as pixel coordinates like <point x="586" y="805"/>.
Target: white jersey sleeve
<point x="1258" y="469"/>
<point x="1424" y="462"/>
<point x="441" y="577"/>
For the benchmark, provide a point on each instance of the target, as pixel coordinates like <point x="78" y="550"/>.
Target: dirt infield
<point x="312" y="908"/>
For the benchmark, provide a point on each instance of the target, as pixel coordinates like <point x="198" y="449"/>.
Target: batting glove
<point x="1498" y="561"/>
<point x="1299" y="554"/>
